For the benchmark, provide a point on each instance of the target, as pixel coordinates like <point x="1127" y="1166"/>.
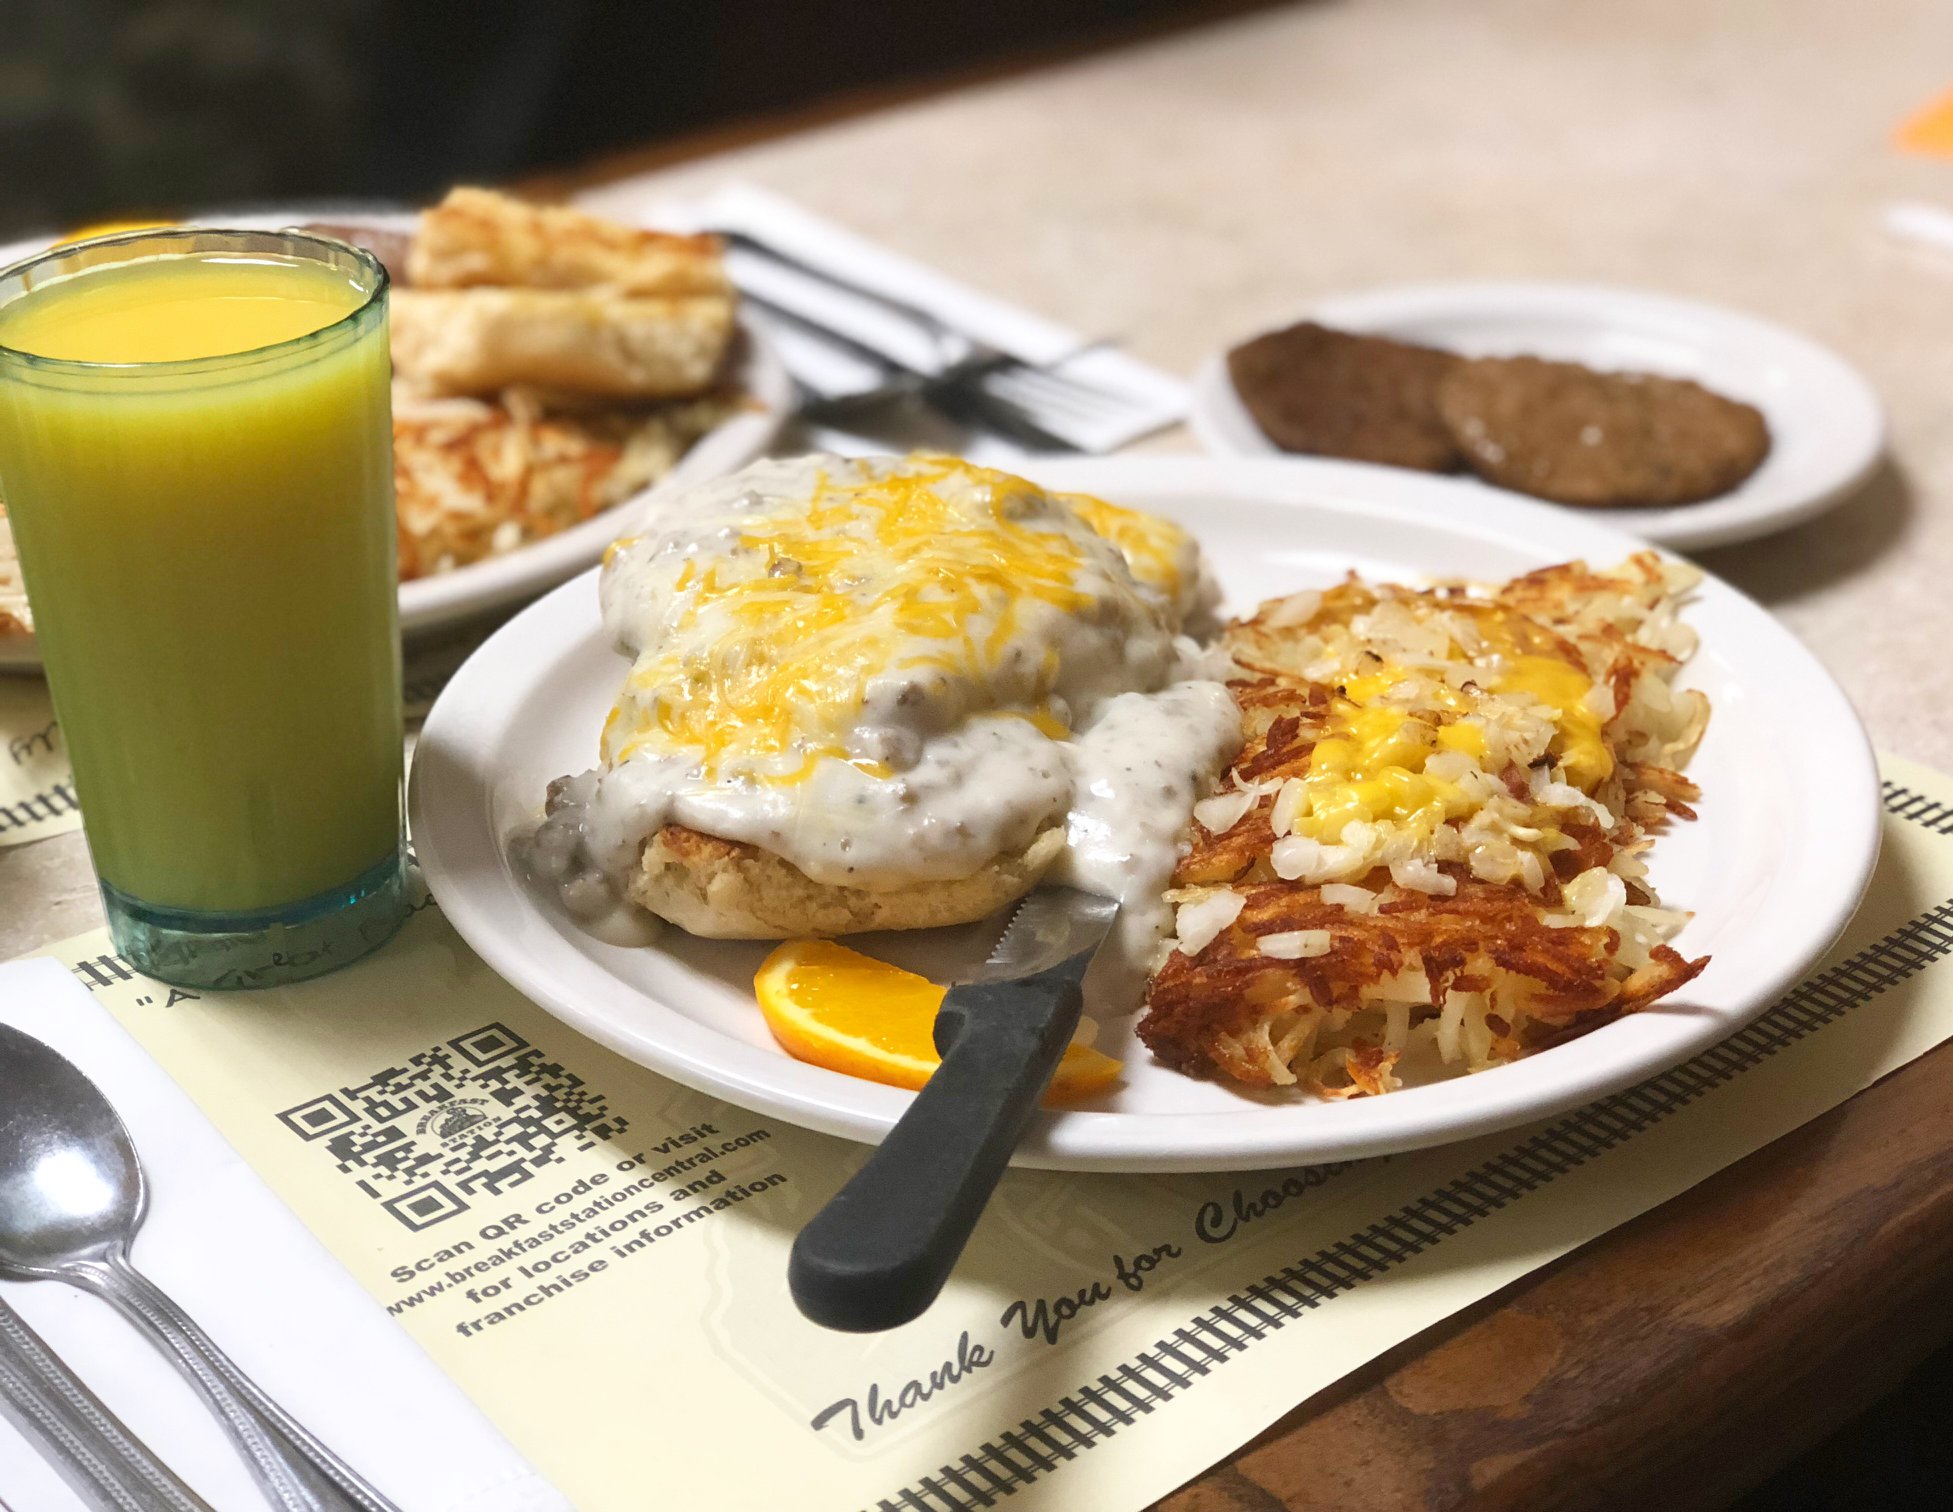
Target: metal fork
<point x="1024" y="386"/>
<point x="956" y="390"/>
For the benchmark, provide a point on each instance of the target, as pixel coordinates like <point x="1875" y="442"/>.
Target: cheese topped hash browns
<point x="1431" y="848"/>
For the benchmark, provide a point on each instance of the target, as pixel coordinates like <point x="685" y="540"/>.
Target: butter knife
<point x="108" y="1466"/>
<point x="878" y="1253"/>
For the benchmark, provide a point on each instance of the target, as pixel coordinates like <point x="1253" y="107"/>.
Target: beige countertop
<point x="1185" y="192"/>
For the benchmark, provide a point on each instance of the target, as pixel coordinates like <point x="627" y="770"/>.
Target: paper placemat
<point x="223" y="1246"/>
<point x="37" y="794"/>
<point x="597" y="1255"/>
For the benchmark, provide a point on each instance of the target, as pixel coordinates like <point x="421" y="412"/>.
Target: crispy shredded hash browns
<point x="475" y="478"/>
<point x="1431" y="848"/>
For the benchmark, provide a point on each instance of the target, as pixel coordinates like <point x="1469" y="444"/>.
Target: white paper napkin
<point x="1919" y="223"/>
<point x="1157" y="399"/>
<point x="240" y="1263"/>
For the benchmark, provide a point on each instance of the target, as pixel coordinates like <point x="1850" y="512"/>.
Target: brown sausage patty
<point x="1565" y="432"/>
<point x="1313" y="389"/>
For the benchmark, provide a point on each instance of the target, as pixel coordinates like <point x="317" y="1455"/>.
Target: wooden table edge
<point x="1675" y="1361"/>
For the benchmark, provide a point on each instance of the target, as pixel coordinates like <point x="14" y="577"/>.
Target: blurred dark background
<point x="146" y="106"/>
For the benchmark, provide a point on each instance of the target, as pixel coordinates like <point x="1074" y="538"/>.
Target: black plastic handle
<point x="878" y="1253"/>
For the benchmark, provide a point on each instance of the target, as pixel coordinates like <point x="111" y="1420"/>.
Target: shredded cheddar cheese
<point x="1370" y="766"/>
<point x="939" y="582"/>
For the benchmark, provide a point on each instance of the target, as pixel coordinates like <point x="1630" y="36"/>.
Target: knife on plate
<point x="878" y="1253"/>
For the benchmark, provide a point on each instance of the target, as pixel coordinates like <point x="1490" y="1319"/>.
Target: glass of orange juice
<point x="196" y="456"/>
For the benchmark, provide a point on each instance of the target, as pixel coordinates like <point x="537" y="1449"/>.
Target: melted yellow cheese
<point x="1155" y="549"/>
<point x="1579" y="747"/>
<point x="1462" y="735"/>
<point x="1370" y="766"/>
<point x="1372" y="769"/>
<point x="943" y="576"/>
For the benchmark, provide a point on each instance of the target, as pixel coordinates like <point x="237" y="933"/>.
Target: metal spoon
<point x="71" y="1199"/>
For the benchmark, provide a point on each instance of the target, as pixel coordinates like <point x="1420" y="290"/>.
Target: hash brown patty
<point x="1480" y="968"/>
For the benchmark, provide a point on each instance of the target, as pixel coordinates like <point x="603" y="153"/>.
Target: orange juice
<point x="195" y="451"/>
<point x="177" y="309"/>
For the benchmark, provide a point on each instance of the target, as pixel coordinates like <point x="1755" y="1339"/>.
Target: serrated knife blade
<point x="1049" y="925"/>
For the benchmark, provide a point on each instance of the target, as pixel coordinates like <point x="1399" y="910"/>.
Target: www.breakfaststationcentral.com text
<point x="524" y="1258"/>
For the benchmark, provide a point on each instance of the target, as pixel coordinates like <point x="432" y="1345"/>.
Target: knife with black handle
<point x="876" y="1256"/>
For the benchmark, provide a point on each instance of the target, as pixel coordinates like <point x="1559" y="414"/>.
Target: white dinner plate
<point x="448" y="598"/>
<point x="1773" y="868"/>
<point x="1827" y="427"/>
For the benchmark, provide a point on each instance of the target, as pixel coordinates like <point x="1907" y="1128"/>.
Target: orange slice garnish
<point x="835" y="1007"/>
<point x="1930" y="131"/>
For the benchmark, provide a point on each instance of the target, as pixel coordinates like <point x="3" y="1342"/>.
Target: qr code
<point x="468" y="1118"/>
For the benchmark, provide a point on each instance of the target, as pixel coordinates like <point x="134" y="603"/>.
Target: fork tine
<point x="1056" y="390"/>
<point x="975" y="406"/>
<point x="1058" y="405"/>
<point x="927" y="319"/>
<point x="1060" y="390"/>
